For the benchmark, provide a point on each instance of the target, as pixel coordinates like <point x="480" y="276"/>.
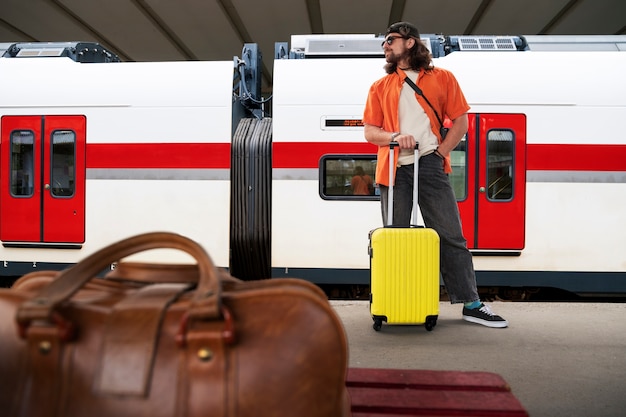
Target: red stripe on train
<point x="308" y="154"/>
<point x="210" y="155"/>
<point x="560" y="157"/>
<point x="158" y="155"/>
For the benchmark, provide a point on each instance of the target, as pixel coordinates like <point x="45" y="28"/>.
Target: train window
<point x="500" y="165"/>
<point x="22" y="163"/>
<point x="348" y="177"/>
<point x="458" y="177"/>
<point x="62" y="177"/>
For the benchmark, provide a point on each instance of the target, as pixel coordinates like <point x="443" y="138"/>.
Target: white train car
<point x="540" y="176"/>
<point x="91" y="153"/>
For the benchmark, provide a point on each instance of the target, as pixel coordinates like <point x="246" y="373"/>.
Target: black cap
<point x="406" y="29"/>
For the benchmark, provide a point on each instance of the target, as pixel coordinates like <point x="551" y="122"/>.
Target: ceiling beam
<point x="235" y="20"/>
<point x="19" y="32"/>
<point x="478" y="16"/>
<point x="396" y="11"/>
<point x="167" y="32"/>
<point x="315" y="16"/>
<point x="558" y="17"/>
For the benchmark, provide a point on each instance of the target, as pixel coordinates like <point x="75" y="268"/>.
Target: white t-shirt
<point x="414" y="121"/>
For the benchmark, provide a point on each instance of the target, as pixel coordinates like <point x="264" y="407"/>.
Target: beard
<point x="393" y="59"/>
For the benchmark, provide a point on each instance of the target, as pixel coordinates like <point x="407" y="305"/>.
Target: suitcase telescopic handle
<point x="392" y="179"/>
<point x="205" y="303"/>
<point x="415" y="185"/>
<point x="392" y="146"/>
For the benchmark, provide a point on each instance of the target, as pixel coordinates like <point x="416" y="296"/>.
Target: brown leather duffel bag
<point x="74" y="345"/>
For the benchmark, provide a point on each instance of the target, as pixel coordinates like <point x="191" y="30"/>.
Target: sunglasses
<point x="390" y="40"/>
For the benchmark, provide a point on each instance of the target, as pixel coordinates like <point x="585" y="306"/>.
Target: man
<point x="361" y="183"/>
<point x="395" y="112"/>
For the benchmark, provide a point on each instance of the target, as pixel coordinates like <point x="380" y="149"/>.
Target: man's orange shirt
<point x="381" y="109"/>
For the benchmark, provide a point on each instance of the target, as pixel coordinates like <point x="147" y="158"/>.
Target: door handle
<point x="481" y="190"/>
<point x="46" y="187"/>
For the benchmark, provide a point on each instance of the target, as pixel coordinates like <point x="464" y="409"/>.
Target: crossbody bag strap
<point x="419" y="91"/>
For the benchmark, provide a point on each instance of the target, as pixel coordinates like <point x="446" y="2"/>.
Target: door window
<point x="63" y="163"/>
<point x="22" y="163"/>
<point x="500" y="165"/>
<point x="458" y="177"/>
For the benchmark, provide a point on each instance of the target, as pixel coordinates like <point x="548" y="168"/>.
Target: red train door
<point x="490" y="181"/>
<point x="42" y="179"/>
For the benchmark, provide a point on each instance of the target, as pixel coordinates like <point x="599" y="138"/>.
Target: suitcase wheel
<point x="378" y="323"/>
<point x="431" y="322"/>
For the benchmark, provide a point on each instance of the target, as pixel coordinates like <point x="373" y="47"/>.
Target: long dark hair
<point x="419" y="55"/>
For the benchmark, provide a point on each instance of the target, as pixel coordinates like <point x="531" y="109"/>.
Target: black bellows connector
<point x="251" y="200"/>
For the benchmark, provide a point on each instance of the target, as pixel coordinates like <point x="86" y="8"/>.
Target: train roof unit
<point x="84" y="52"/>
<point x="369" y="46"/>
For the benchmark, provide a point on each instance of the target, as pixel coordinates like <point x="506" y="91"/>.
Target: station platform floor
<point x="560" y="359"/>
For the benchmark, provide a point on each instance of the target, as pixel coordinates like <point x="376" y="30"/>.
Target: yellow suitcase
<point x="404" y="270"/>
<point x="404" y="281"/>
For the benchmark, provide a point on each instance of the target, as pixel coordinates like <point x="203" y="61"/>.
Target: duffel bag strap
<point x="130" y="339"/>
<point x="205" y="302"/>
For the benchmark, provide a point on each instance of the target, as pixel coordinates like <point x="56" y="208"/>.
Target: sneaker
<point x="483" y="315"/>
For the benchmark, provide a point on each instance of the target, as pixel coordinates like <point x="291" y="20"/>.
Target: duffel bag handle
<point x="205" y="303"/>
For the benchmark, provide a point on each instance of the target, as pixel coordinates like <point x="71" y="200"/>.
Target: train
<point x="94" y="150"/>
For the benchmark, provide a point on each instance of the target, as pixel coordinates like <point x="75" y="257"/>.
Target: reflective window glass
<point x="22" y="163"/>
<point x="500" y="165"/>
<point x="458" y="177"/>
<point x="63" y="176"/>
<point x="348" y="177"/>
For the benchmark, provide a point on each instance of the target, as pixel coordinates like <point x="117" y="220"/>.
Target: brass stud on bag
<point x="45" y="347"/>
<point x="205" y="354"/>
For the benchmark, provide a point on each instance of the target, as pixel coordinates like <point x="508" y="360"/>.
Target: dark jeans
<point x="439" y="210"/>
